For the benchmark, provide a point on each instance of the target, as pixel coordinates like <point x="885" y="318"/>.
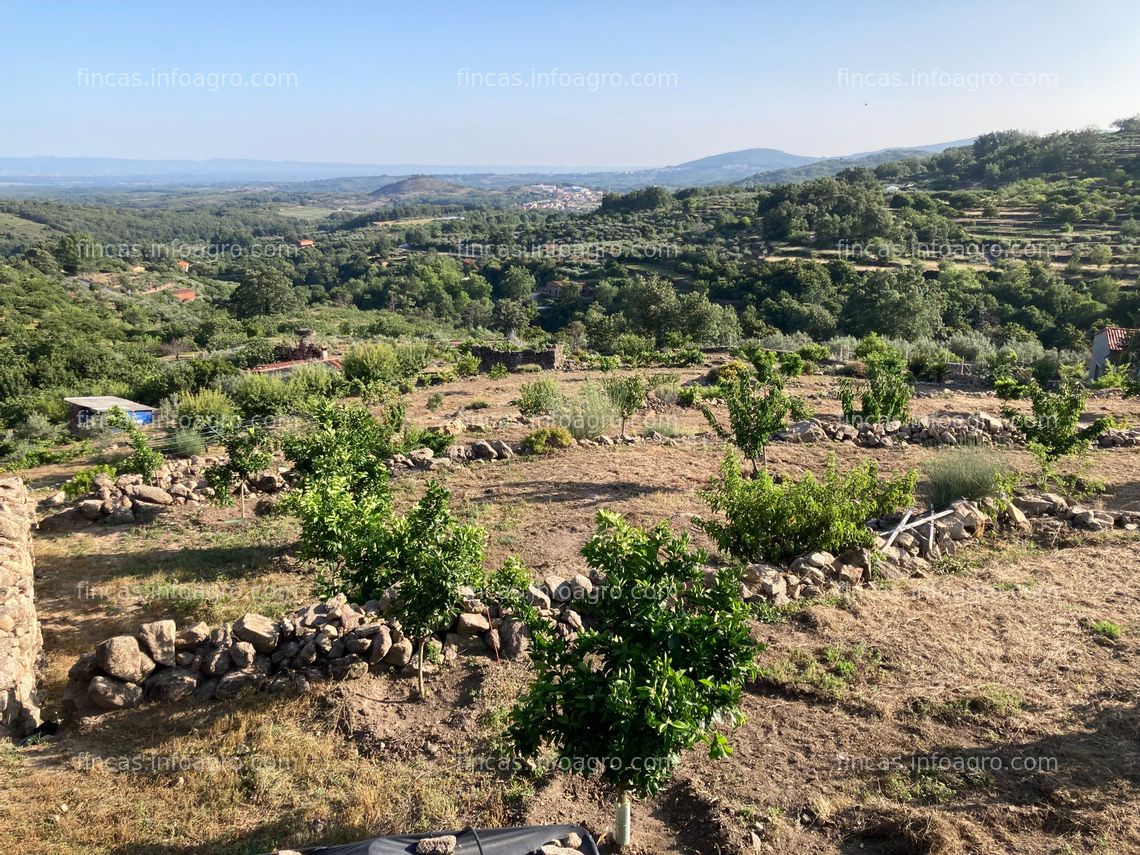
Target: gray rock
<point x="400" y="653"/>
<point x="482" y="450"/>
<point x="90" y="509"/>
<point x="110" y="694"/>
<point x="68" y="520"/>
<point x="192" y="636"/>
<point x="381" y="645"/>
<point x="514" y="638"/>
<point x="235" y="682"/>
<point x="217" y="662"/>
<point x="443" y="845"/>
<point x="158" y="640"/>
<point x="171" y="684"/>
<point x="120" y="657"/>
<point x="154" y="495"/>
<point x="502" y="450"/>
<point x="469" y="624"/>
<point x="242" y="653"/>
<point x="259" y="631"/>
<point x="146" y="512"/>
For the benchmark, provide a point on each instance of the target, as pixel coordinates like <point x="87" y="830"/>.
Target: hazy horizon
<point x="588" y="87"/>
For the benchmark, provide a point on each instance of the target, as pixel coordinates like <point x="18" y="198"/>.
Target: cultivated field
<point x="972" y="710"/>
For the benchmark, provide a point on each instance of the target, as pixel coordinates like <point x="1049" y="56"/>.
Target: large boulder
<point x="121" y="657"/>
<point x="483" y="450"/>
<point x="158" y="640"/>
<point x="471" y="624"/>
<point x="154" y="495"/>
<point x="192" y="636"/>
<point x="259" y="631"/>
<point x="69" y="520"/>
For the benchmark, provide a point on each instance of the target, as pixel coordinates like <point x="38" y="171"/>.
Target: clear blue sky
<point x="384" y="82"/>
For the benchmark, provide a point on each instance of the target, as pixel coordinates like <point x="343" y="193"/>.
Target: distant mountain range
<point x="752" y="166"/>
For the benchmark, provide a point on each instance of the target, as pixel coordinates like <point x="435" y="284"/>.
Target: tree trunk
<point x="243" y="499"/>
<point x="622" y="824"/>
<point x="420" y="671"/>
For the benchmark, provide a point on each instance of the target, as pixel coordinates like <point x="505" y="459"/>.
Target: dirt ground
<point x="976" y="710"/>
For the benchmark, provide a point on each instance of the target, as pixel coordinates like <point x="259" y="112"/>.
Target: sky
<point x="578" y="83"/>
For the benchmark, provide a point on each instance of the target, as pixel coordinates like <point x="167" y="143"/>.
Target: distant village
<point x="557" y="198"/>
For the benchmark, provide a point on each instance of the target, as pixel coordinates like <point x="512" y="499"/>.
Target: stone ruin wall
<point x="21" y="643"/>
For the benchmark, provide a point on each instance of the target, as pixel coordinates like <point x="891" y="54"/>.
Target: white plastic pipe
<point x="621" y="822"/>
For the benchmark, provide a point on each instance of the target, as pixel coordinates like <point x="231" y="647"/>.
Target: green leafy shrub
<point x="886" y="395"/>
<point x="249" y="449"/>
<point x="966" y="474"/>
<point x="498" y="371"/>
<point x="429" y="556"/>
<point x="1106" y="629"/>
<point x="437" y="440"/>
<point x="930" y="363"/>
<point x="372" y="363"/>
<point x="547" y="439"/>
<point x="259" y="396"/>
<point x="83" y="482"/>
<point x="206" y="408"/>
<point x="434" y="401"/>
<point x="539" y="397"/>
<point x="1051" y="429"/>
<point x="467" y="365"/>
<point x="768" y="521"/>
<point x="661" y="669"/>
<point x="727" y="372"/>
<point x="144" y="460"/>
<point x="689" y="396"/>
<point x="814" y="353"/>
<point x="791" y="364"/>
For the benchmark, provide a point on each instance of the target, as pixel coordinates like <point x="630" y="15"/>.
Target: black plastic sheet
<point x="493" y="841"/>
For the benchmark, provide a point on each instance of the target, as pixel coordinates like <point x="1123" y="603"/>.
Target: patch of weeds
<point x="1106" y="629"/>
<point x="992" y="707"/>
<point x="958" y="565"/>
<point x="931" y="786"/>
<point x="827" y="673"/>
<point x="477" y="404"/>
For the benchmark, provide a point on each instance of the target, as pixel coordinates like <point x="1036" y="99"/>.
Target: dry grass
<point x="994" y="659"/>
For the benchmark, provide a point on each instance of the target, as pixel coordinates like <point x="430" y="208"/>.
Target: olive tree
<point x="627" y="394"/>
<point x="659" y="666"/>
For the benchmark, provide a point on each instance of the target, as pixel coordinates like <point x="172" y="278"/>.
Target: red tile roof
<point x="1118" y="337"/>
<point x="294" y="363"/>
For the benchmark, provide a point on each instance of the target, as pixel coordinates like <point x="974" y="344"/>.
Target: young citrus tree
<point x="755" y="412"/>
<point x="144" y="460"/>
<point x="659" y="666"/>
<point x="1051" y="429"/>
<point x="429" y="556"/>
<point x="249" y="448"/>
<point x="627" y="394"/>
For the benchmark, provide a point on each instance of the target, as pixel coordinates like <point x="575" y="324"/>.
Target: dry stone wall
<point x="21" y="643"/>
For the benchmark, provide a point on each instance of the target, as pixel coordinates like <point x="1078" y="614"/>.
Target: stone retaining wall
<point x="20" y="641"/>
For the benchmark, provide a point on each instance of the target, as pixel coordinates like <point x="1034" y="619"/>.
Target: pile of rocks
<point x="333" y="640"/>
<point x="425" y="458"/>
<point x="821" y="574"/>
<point x="978" y="429"/>
<point x="127" y="499"/>
<point x="1114" y="438"/>
<point x="498" y="449"/>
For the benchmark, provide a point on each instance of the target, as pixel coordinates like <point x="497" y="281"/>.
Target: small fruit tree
<point x="249" y="448"/>
<point x="1051" y="429"/>
<point x="627" y="394"/>
<point x="144" y="460"/>
<point x="428" y="557"/>
<point x="756" y="410"/>
<point x="659" y="667"/>
<point x="887" y="394"/>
